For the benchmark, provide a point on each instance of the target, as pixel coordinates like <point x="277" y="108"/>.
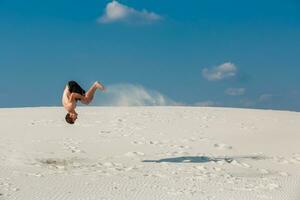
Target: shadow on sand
<point x="205" y="159"/>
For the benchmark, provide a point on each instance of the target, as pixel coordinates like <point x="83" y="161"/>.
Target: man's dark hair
<point x="69" y="119"/>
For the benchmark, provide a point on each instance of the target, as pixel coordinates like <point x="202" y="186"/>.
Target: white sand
<point x="149" y="153"/>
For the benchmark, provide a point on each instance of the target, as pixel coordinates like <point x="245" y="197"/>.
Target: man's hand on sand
<point x="100" y="86"/>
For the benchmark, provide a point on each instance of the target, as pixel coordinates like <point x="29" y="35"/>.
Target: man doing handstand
<point x="73" y="93"/>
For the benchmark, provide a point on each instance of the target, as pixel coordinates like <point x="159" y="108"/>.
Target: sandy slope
<point x="150" y="153"/>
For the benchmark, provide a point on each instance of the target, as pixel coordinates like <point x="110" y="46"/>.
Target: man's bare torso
<point x="67" y="103"/>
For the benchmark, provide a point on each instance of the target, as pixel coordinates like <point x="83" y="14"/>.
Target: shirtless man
<point x="73" y="93"/>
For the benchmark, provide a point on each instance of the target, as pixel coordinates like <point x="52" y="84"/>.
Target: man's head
<point x="71" y="118"/>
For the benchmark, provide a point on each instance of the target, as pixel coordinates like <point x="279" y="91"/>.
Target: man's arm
<point x="76" y="96"/>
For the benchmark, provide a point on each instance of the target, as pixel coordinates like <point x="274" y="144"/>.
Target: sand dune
<point x="150" y="153"/>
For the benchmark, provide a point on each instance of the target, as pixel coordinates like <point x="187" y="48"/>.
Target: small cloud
<point x="205" y="103"/>
<point x="133" y="95"/>
<point x="265" y="97"/>
<point x="223" y="71"/>
<point x="117" y="12"/>
<point x="235" y="91"/>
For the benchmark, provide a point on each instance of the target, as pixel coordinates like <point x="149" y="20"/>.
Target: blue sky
<point x="217" y="53"/>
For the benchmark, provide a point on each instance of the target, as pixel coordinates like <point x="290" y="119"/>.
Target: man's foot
<point x="99" y="86"/>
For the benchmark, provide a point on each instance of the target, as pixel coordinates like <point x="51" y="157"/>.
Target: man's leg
<point x="89" y="95"/>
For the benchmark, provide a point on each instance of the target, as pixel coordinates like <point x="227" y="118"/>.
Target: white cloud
<point x="223" y="71"/>
<point x="117" y="12"/>
<point x="235" y="91"/>
<point x="132" y="95"/>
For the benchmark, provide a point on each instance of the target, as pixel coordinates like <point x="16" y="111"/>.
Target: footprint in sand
<point x="104" y="132"/>
<point x="240" y="164"/>
<point x="248" y="126"/>
<point x="114" y="168"/>
<point x="71" y="145"/>
<point x="134" y="153"/>
<point x="281" y="160"/>
<point x="188" y="140"/>
<point x="284" y="174"/>
<point x="179" y="146"/>
<point x="7" y="187"/>
<point x="45" y="122"/>
<point x="61" y="164"/>
<point x="155" y="142"/>
<point x="138" y="142"/>
<point x="295" y="159"/>
<point x="264" y="171"/>
<point x="203" y="126"/>
<point x="222" y="146"/>
<point x="38" y="175"/>
<point x="151" y="142"/>
<point x="217" y="169"/>
<point x="201" y="168"/>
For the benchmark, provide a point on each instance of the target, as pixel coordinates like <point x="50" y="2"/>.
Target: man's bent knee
<point x="85" y="101"/>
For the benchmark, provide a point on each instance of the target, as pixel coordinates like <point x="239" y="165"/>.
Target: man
<point x="73" y="93"/>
